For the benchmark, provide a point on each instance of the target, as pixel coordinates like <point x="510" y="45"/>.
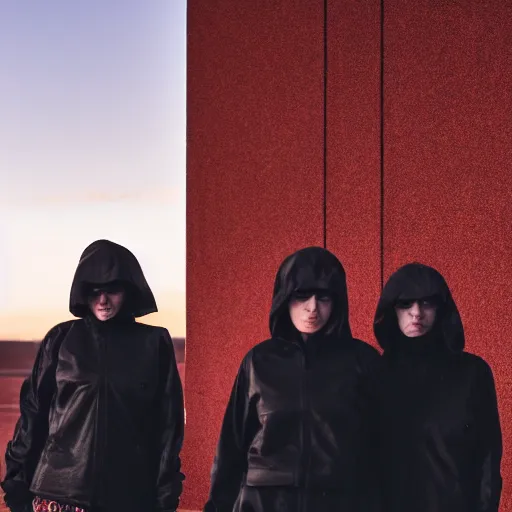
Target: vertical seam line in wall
<point x="381" y="144"/>
<point x="325" y="127"/>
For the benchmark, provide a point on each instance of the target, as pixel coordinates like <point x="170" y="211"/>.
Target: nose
<point x="102" y="299"/>
<point x="311" y="304"/>
<point x="415" y="310"/>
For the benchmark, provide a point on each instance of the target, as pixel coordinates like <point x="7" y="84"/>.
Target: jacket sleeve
<point x="170" y="430"/>
<point x="489" y="440"/>
<point x="230" y="462"/>
<point x="31" y="430"/>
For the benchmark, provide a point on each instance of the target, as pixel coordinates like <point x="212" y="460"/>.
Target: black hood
<point x="105" y="262"/>
<point x="418" y="281"/>
<point x="308" y="269"/>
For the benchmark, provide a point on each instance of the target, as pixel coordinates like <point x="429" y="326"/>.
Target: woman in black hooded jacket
<point x="438" y="417"/>
<point x="295" y="436"/>
<point x="101" y="423"/>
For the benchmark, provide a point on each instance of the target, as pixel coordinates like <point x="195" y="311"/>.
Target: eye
<point x="404" y="304"/>
<point x="427" y="303"/>
<point x="323" y="297"/>
<point x="109" y="289"/>
<point x="301" y="296"/>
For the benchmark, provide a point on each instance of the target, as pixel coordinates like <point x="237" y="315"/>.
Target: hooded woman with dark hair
<point x="295" y="435"/>
<point x="439" y="423"/>
<point x="101" y="423"/>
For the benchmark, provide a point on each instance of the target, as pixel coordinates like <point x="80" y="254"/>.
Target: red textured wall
<point x="353" y="152"/>
<point x="255" y="189"/>
<point x="257" y="155"/>
<point x="448" y="154"/>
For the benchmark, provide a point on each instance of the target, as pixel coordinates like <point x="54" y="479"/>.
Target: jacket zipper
<point x="306" y="426"/>
<point x="101" y="412"/>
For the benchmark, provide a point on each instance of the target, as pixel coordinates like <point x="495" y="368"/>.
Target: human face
<point x="106" y="301"/>
<point x="415" y="317"/>
<point x="310" y="311"/>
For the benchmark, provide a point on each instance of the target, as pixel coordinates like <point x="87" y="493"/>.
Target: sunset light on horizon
<point x="32" y="326"/>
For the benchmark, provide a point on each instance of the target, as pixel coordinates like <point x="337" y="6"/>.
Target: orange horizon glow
<point x="33" y="326"/>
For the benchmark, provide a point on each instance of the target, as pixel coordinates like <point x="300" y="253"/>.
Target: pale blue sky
<point x="92" y="145"/>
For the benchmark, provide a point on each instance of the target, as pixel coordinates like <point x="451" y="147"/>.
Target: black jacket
<point x="102" y="412"/>
<point x="438" y="417"/>
<point x="297" y="415"/>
